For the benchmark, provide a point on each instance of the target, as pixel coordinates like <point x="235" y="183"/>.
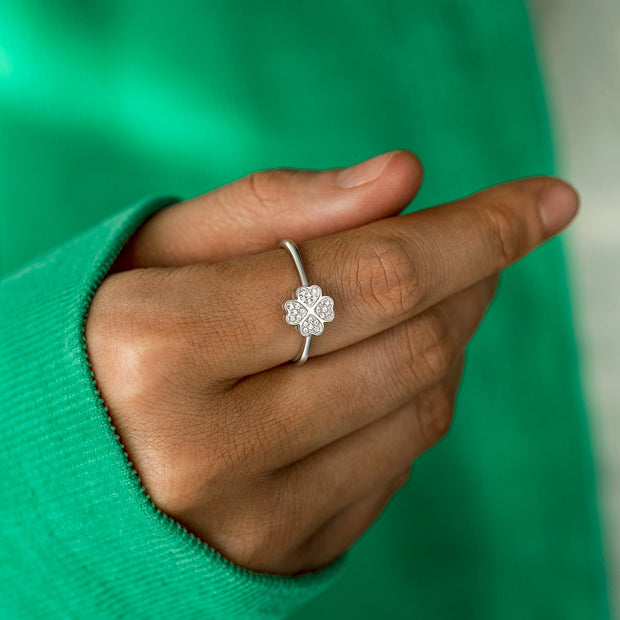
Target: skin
<point x="281" y="468"/>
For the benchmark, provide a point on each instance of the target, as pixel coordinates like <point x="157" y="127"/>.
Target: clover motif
<point x="309" y="310"/>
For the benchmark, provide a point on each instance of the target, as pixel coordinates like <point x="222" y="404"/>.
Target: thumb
<point x="254" y="213"/>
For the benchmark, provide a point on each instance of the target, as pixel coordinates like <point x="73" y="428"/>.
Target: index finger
<point x="382" y="273"/>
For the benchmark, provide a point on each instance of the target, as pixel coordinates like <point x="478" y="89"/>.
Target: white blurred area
<point x="579" y="48"/>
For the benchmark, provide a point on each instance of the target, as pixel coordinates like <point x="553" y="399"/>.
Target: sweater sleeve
<point x="80" y="536"/>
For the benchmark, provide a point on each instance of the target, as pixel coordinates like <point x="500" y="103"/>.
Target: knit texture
<point x="80" y="536"/>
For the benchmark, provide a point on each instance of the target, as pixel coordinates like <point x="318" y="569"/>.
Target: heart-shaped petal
<point x="308" y="295"/>
<point x="311" y="326"/>
<point x="325" y="309"/>
<point x="295" y="312"/>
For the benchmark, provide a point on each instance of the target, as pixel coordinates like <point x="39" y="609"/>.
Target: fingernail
<point x="558" y="204"/>
<point x="364" y="172"/>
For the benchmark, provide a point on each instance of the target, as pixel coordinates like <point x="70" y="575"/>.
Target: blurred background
<point x="579" y="48"/>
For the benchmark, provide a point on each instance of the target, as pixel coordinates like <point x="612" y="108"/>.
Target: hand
<point x="281" y="468"/>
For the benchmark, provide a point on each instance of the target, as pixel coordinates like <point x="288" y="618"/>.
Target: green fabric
<point x="80" y="536"/>
<point x="106" y="101"/>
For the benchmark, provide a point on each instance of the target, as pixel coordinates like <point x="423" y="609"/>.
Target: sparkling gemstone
<point x="309" y="310"/>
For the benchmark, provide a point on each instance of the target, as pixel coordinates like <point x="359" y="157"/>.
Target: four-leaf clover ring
<point x="309" y="309"/>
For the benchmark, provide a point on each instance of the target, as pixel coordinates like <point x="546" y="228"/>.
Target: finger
<point x="378" y="275"/>
<point x="354" y="466"/>
<point x="335" y="536"/>
<point x="348" y="389"/>
<point x="254" y="213"/>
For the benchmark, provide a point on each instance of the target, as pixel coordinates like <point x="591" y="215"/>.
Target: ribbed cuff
<point x="80" y="536"/>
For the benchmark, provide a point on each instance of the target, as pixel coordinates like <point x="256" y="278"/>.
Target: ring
<point x="308" y="309"/>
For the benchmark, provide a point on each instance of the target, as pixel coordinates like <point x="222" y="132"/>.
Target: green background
<point x="102" y="102"/>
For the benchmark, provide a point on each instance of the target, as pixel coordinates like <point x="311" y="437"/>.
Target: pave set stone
<point x="325" y="309"/>
<point x="308" y="295"/>
<point x="309" y="310"/>
<point x="295" y="312"/>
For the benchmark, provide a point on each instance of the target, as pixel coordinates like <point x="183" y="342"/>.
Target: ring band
<point x="308" y="309"/>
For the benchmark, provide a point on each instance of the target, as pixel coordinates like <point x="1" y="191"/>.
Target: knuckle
<point x="171" y="477"/>
<point x="253" y="540"/>
<point x="173" y="333"/>
<point x="507" y="233"/>
<point x="435" y="414"/>
<point x="386" y="277"/>
<point x="429" y="348"/>
<point x="133" y="337"/>
<point x="438" y="349"/>
<point x="253" y="530"/>
<point x="204" y="331"/>
<point x="185" y="463"/>
<point x="264" y="189"/>
<point x="263" y="532"/>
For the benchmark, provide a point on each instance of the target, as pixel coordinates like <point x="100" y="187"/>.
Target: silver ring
<point x="308" y="309"/>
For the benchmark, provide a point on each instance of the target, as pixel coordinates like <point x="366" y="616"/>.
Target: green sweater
<point x="102" y="102"/>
